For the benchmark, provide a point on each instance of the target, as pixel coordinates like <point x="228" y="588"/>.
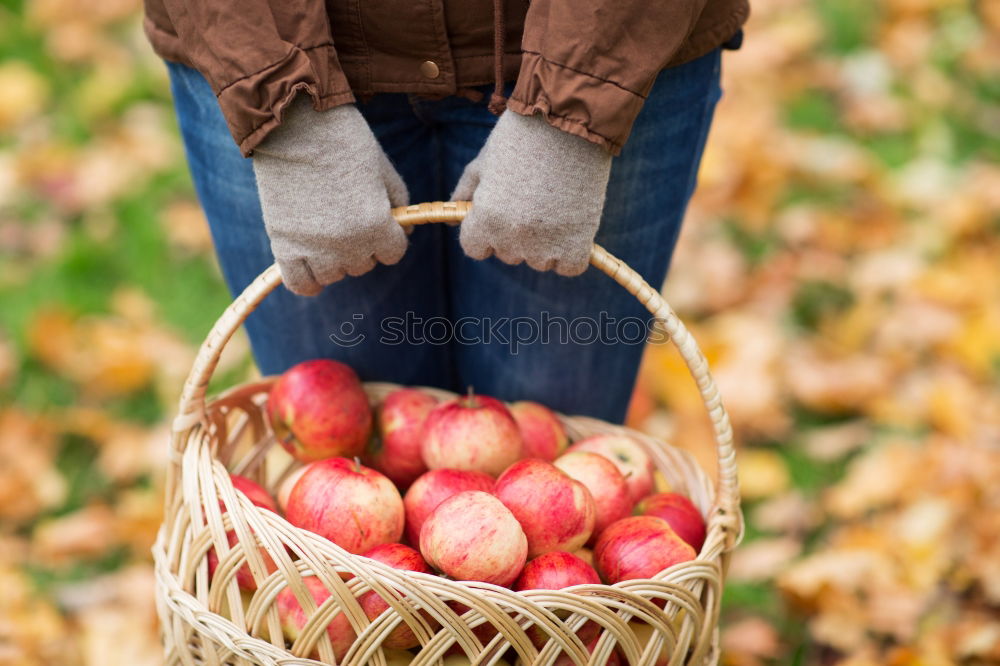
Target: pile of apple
<point x="468" y="488"/>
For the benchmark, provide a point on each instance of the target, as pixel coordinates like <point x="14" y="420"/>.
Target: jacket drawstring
<point x="498" y="103"/>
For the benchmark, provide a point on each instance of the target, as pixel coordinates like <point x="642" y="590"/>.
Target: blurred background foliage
<point x="839" y="267"/>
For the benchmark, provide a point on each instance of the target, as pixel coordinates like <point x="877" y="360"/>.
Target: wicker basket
<point x="209" y="621"/>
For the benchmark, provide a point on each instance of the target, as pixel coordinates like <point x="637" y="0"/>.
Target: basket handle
<point x="192" y="402"/>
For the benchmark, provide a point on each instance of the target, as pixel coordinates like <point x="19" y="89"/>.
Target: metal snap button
<point x="430" y="69"/>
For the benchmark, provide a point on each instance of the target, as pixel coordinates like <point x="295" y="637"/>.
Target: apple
<point x="551" y="571"/>
<point x="484" y="632"/>
<point x="585" y="554"/>
<point x="639" y="547"/>
<point x="285" y="488"/>
<point x="254" y="492"/>
<point x="260" y="497"/>
<point x="319" y="409"/>
<point x="293" y="618"/>
<point x="399" y="422"/>
<point x="397" y="556"/>
<point x="556" y="512"/>
<point x="434" y="487"/>
<point x="352" y="505"/>
<point x="680" y="512"/>
<point x="473" y="536"/>
<point x="605" y="483"/>
<point x="542" y="432"/>
<point x="632" y="461"/>
<point x="474" y="432"/>
<point x="555" y="571"/>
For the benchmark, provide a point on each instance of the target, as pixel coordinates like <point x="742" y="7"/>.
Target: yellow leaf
<point x="104" y="355"/>
<point x="186" y="227"/>
<point x="833" y="383"/>
<point x="750" y="637"/>
<point x="867" y="485"/>
<point x="84" y="534"/>
<point x="762" y="473"/>
<point x="25" y="93"/>
<point x="8" y="362"/>
<point x="976" y="345"/>
<point x="763" y="559"/>
<point x="29" y="482"/>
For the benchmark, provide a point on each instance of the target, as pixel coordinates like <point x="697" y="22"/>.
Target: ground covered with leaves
<point x="839" y="267"/>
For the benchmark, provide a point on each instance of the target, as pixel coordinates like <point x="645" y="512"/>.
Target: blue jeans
<point x="437" y="317"/>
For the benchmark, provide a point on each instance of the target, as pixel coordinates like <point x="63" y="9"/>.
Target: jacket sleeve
<point x="255" y="70"/>
<point x="588" y="66"/>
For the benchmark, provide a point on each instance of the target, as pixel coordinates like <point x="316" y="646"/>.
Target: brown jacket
<point x="587" y="65"/>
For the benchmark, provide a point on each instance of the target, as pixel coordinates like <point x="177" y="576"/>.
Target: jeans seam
<point x="418" y="109"/>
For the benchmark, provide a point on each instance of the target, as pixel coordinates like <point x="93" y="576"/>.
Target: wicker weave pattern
<point x="211" y="622"/>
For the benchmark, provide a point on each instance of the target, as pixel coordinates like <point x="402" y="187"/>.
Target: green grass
<point x="813" y="110"/>
<point x="45" y="579"/>
<point x="756" y="248"/>
<point x="143" y="406"/>
<point x="849" y="24"/>
<point x="37" y="389"/>
<point x="893" y="149"/>
<point x="817" y="300"/>
<point x="77" y="462"/>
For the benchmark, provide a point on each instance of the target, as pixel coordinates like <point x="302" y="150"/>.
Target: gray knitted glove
<point x="326" y="189"/>
<point x="537" y="195"/>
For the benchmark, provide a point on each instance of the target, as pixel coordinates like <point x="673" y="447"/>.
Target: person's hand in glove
<point x="537" y="194"/>
<point x="326" y="190"/>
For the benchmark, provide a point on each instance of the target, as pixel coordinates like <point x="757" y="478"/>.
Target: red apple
<point x="473" y="432"/>
<point x="680" y="512"/>
<point x="319" y="409"/>
<point x="293" y="618"/>
<point x="632" y="461"/>
<point x="434" y="487"/>
<point x="554" y="571"/>
<point x="260" y="497"/>
<point x="639" y="547"/>
<point x="551" y="571"/>
<point x="484" y="632"/>
<point x="473" y="536"/>
<point x="605" y="483"/>
<point x="254" y="492"/>
<point x="399" y="422"/>
<point x="285" y="488"/>
<point x="351" y="505"/>
<point x="541" y="430"/>
<point x="397" y="556"/>
<point x="556" y="512"/>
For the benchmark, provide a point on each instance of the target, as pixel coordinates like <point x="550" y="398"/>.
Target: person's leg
<point x="588" y="362"/>
<point x="344" y="321"/>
